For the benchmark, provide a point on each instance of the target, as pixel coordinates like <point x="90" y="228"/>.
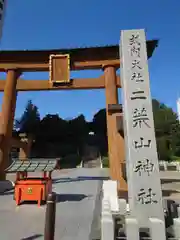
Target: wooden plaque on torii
<point x="59" y="68"/>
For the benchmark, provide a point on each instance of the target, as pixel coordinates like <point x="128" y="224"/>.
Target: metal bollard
<point x="50" y="216"/>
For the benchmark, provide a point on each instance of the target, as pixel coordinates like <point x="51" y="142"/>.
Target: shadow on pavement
<point x="77" y="179"/>
<point x="70" y="197"/>
<point x="11" y="192"/>
<point x="36" y="236"/>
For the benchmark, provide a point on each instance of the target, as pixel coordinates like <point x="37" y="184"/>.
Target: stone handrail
<point x="110" y="211"/>
<point x="169" y="166"/>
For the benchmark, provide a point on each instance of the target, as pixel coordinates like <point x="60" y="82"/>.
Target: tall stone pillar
<point x="115" y="145"/>
<point x="24" y="153"/>
<point x="7" y="117"/>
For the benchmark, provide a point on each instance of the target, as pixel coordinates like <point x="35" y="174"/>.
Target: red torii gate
<point x="105" y="58"/>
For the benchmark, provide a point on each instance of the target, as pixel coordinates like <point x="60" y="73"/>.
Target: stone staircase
<point x="95" y="163"/>
<point x="91" y="157"/>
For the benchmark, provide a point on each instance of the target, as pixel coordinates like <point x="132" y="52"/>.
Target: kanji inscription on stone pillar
<point x="144" y="188"/>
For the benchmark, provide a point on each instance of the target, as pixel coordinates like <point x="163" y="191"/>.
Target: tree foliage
<point x="167" y="130"/>
<point x="55" y="136"/>
<point x="30" y="119"/>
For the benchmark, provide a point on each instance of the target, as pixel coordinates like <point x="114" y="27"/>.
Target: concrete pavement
<point x="78" y="206"/>
<point x="77" y="215"/>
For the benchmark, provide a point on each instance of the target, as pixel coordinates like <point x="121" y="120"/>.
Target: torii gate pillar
<point x="7" y="118"/>
<point x="115" y="143"/>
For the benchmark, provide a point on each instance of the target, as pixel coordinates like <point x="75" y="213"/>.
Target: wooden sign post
<point x="144" y="189"/>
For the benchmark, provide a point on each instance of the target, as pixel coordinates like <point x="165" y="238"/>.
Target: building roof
<point x="32" y="165"/>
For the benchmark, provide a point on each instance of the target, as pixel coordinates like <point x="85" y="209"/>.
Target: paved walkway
<point x="78" y="207"/>
<point x="77" y="214"/>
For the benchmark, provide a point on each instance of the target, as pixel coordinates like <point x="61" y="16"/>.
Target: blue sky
<point x="43" y="24"/>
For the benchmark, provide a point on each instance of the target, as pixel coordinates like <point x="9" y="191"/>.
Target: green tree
<point x="78" y="131"/>
<point x="99" y="126"/>
<point x="29" y="120"/>
<point x="167" y="130"/>
<point x="99" y="122"/>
